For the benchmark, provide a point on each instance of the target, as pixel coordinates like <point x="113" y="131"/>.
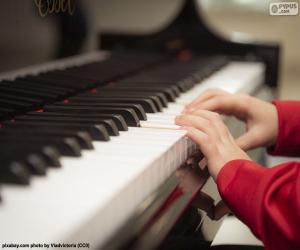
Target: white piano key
<point x="161" y="115"/>
<point x="158" y="125"/>
<point x="161" y="120"/>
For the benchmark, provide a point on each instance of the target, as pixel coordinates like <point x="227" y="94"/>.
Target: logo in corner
<point x="283" y="9"/>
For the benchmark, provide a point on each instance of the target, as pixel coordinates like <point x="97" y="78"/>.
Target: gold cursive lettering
<point x="46" y="7"/>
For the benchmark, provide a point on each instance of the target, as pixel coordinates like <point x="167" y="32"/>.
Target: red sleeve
<point x="266" y="199"/>
<point x="288" y="139"/>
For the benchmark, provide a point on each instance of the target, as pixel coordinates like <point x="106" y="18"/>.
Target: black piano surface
<point x="51" y="107"/>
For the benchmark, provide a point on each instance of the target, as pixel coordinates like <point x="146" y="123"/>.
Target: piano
<point x="90" y="155"/>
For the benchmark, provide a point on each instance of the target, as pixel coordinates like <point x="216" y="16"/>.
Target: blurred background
<point x="28" y="39"/>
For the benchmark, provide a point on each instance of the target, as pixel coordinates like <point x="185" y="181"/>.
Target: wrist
<point x="218" y="166"/>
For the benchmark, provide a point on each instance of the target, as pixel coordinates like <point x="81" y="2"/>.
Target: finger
<point x="215" y="119"/>
<point x="202" y="140"/>
<point x="205" y="96"/>
<point x="196" y="135"/>
<point x="228" y="105"/>
<point x="197" y="122"/>
<point x="245" y="141"/>
<point x="209" y="115"/>
<point x="250" y="139"/>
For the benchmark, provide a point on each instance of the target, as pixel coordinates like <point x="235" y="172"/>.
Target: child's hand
<point x="260" y="117"/>
<point x="208" y="130"/>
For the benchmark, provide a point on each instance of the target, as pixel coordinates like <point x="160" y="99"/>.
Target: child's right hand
<point x="261" y="117"/>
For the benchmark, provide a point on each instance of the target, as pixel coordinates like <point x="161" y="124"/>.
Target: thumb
<point x="246" y="141"/>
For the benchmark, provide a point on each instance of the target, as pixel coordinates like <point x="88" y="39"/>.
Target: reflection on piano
<point x="89" y="148"/>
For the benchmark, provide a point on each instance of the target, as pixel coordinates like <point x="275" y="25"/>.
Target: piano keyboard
<point x="84" y="145"/>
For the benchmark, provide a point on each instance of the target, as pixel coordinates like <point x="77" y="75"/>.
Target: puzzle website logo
<point x="283" y="9"/>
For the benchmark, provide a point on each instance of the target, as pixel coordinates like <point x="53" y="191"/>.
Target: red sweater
<point x="268" y="199"/>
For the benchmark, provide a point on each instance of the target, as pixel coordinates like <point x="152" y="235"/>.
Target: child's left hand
<point x="208" y="130"/>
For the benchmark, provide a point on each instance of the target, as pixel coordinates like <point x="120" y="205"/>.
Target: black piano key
<point x="108" y="124"/>
<point x="159" y="95"/>
<point x="59" y="77"/>
<point x="128" y="114"/>
<point x="96" y="132"/>
<point x="28" y="93"/>
<point x="171" y="90"/>
<point x="136" y="107"/>
<point x="35" y="101"/>
<point x="14" y="173"/>
<point x="47" y="85"/>
<point x="90" y="77"/>
<point x="66" y="146"/>
<point x="33" y="162"/>
<point x="172" y="86"/>
<point x="36" y="88"/>
<point x="168" y="93"/>
<point x="101" y="94"/>
<point x="67" y="85"/>
<point x="6" y="113"/>
<point x="49" y="154"/>
<point x="36" y="164"/>
<point x="118" y="119"/>
<point x="181" y="85"/>
<point x="147" y="104"/>
<point x="82" y="138"/>
<point x="188" y="83"/>
<point x="17" y="106"/>
<point x="167" y="84"/>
